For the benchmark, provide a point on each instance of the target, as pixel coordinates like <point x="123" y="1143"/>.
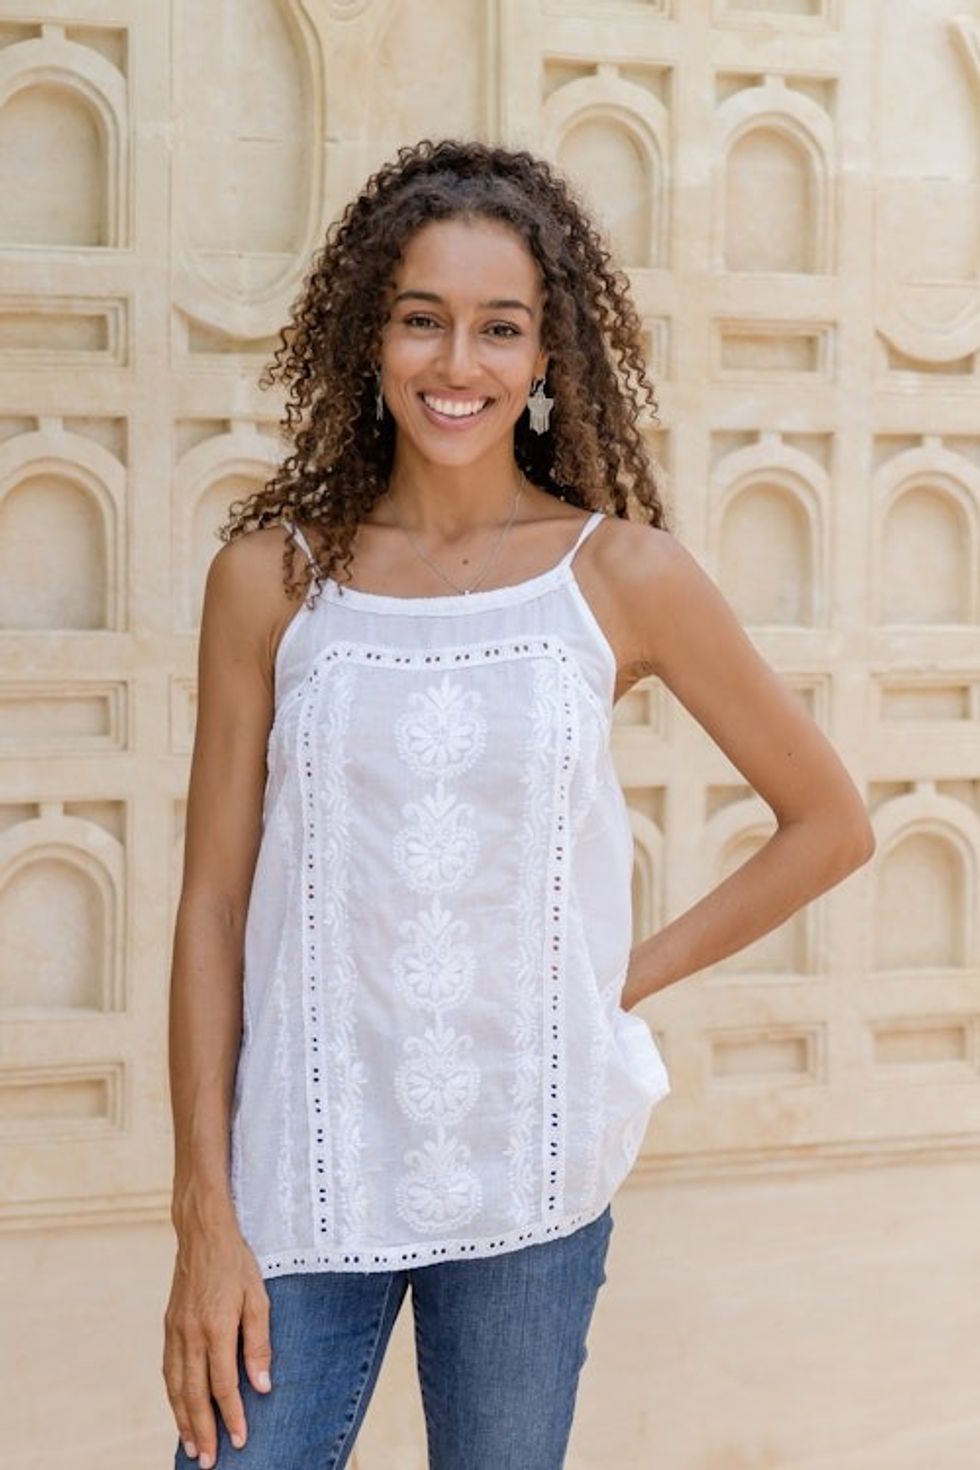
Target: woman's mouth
<point x="453" y="413"/>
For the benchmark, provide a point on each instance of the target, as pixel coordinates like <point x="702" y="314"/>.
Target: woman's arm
<point x="684" y="631"/>
<point x="224" y="815"/>
<point x="217" y="1287"/>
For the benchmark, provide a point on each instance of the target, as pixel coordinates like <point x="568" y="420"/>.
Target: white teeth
<point x="455" y="410"/>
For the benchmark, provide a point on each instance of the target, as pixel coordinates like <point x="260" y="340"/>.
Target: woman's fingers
<point x="173" y="1377"/>
<point x="197" y="1402"/>
<point x="195" y="1371"/>
<point x="256" y="1344"/>
<point x="223" y="1366"/>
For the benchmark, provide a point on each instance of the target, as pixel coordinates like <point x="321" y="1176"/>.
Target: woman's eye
<point x="419" y="318"/>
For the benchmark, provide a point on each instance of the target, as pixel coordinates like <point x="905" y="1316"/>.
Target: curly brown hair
<point x="593" y="453"/>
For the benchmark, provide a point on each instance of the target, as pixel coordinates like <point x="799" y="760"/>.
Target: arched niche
<point x="61" y="915"/>
<point x="732" y="836"/>
<point x="769" y="203"/>
<point x="647" y="865"/>
<point x="63" y="115"/>
<point x="768" y="534"/>
<point x="925" y="567"/>
<point x="52" y="133"/>
<point x="924" y="916"/>
<point x="774" y="149"/>
<point x="251" y="128"/>
<point x="61" y="520"/>
<point x="926" y="562"/>
<point x="920" y="900"/>
<point x="608" y="155"/>
<point x="207" y="479"/>
<point x="611" y="137"/>
<point x="765" y="555"/>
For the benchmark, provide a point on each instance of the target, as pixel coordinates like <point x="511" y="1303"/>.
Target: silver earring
<point x="379" y="402"/>
<point x="539" y="407"/>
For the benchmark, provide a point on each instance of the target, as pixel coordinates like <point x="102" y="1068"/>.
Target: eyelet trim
<point x="406" y="1257"/>
<point x="450" y="655"/>
<point x="336" y="1133"/>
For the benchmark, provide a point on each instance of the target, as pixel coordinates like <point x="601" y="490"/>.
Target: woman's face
<point x="463" y="333"/>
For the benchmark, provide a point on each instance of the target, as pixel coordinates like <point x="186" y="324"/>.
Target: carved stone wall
<point x="794" y="188"/>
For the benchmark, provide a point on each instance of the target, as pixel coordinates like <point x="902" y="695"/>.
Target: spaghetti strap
<point x="586" y="530"/>
<point x="301" y="539"/>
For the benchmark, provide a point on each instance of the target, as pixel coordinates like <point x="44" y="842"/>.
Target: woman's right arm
<point x="217" y="1287"/>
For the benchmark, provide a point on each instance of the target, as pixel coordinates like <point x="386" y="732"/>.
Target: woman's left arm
<point x="685" y="632"/>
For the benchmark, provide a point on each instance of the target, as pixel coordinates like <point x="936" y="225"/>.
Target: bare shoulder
<point x="636" y="565"/>
<point x="245" y="589"/>
<point x="682" y="629"/>
<point x="634" y="549"/>
<point x="670" y="604"/>
<point x="252" y="552"/>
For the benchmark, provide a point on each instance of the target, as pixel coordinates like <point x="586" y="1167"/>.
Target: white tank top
<point x="434" y="1062"/>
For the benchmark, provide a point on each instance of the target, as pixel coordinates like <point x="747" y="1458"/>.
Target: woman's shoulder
<point x="246" y="580"/>
<point x="259" y="548"/>
<point x="629" y="550"/>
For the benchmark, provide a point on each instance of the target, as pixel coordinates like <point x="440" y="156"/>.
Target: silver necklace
<point x="486" y="564"/>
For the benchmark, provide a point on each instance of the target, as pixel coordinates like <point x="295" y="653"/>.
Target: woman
<point x="401" y="1044"/>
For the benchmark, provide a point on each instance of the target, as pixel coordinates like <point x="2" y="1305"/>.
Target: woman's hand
<point x="637" y="983"/>
<point x="217" y="1288"/>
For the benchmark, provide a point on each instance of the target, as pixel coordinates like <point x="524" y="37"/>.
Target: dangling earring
<point x="379" y="402"/>
<point x="539" y="407"/>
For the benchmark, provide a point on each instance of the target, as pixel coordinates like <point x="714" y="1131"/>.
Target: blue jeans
<point x="499" y="1343"/>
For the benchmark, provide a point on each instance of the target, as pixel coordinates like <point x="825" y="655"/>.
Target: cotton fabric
<point x="434" y="1062"/>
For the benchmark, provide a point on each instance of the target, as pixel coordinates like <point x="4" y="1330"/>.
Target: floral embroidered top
<point x="434" y="1062"/>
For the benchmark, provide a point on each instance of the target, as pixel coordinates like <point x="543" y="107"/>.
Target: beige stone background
<point x="794" y="1277"/>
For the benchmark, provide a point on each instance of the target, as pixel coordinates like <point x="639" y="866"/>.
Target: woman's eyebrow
<point x="497" y="304"/>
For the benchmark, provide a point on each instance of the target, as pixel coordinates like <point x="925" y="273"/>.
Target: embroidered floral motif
<point x="436" y="967"/>
<point x="440" y="735"/>
<point x="442" y="731"/>
<point x="437" y="847"/>
<point x="439" y="1080"/>
<point x="441" y="1191"/>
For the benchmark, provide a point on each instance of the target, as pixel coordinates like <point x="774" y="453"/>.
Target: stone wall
<point x="793" y="188"/>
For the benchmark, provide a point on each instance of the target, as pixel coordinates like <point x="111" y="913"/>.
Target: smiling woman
<point x="401" y="1047"/>
<point x="468" y="361"/>
<point x="461" y="274"/>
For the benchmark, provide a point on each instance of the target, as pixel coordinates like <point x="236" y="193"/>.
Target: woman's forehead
<point x="474" y="255"/>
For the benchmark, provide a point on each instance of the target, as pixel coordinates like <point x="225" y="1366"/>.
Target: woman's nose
<point x="460" y="357"/>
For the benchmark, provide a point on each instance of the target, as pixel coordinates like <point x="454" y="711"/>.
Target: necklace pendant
<point x="455" y="585"/>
